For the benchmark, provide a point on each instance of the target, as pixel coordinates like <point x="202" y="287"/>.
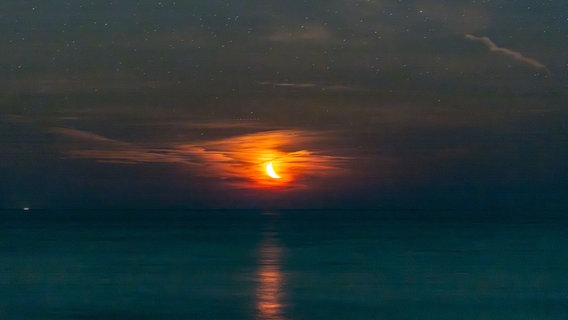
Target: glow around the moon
<point x="273" y="159"/>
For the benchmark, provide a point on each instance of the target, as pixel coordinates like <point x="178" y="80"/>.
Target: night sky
<point x="358" y="104"/>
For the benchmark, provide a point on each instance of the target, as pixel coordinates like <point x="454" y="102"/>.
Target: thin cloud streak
<point x="307" y="33"/>
<point x="508" y="52"/>
<point x="84" y="135"/>
<point x="310" y="85"/>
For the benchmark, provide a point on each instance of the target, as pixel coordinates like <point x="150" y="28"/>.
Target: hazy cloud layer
<point x="238" y="161"/>
<point x="85" y="135"/>
<point x="210" y="44"/>
<point x="304" y="32"/>
<point x="308" y="85"/>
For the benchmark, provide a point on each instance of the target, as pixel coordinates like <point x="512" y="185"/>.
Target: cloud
<point x="303" y="33"/>
<point x="455" y="16"/>
<point x="238" y="161"/>
<point x="83" y="135"/>
<point x="289" y="84"/>
<point x="14" y="118"/>
<point x="242" y="159"/>
<point x="508" y="52"/>
<point x="310" y="85"/>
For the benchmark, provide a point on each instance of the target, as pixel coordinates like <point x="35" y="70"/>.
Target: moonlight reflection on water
<point x="270" y="293"/>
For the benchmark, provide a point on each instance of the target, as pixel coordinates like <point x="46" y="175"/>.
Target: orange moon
<point x="270" y="171"/>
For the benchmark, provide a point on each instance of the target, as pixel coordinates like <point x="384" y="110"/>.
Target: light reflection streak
<point x="270" y="292"/>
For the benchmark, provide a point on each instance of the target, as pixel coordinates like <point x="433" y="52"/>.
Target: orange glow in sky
<point x="288" y="159"/>
<point x="278" y="158"/>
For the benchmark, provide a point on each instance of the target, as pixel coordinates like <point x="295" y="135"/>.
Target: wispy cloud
<point x="289" y="84"/>
<point x="310" y="85"/>
<point x="14" y="118"/>
<point x="239" y="161"/>
<point x="306" y="32"/>
<point x="508" y="52"/>
<point x="83" y="135"/>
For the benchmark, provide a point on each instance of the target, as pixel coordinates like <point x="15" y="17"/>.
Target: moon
<point x="270" y="171"/>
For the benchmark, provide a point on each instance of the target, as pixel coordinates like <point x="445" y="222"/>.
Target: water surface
<point x="281" y="265"/>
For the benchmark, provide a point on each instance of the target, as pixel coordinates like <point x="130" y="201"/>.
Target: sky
<point x="356" y="104"/>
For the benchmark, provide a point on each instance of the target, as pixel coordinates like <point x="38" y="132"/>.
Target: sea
<point x="282" y="265"/>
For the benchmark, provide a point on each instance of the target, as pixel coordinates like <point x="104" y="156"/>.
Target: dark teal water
<point x="281" y="265"/>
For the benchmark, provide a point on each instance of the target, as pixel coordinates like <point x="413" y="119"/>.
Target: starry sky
<point x="360" y="104"/>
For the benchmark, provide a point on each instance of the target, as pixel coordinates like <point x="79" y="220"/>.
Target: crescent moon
<point x="270" y="171"/>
